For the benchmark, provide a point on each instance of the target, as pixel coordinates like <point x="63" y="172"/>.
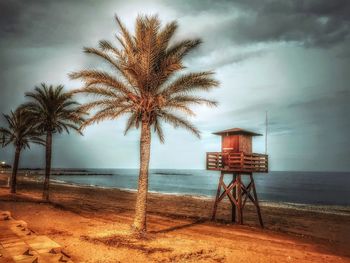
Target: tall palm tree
<point x="146" y="85"/>
<point x="53" y="111"/>
<point x="20" y="132"/>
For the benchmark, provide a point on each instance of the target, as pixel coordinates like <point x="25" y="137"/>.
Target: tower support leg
<point x="217" y="196"/>
<point x="256" y="203"/>
<point x="239" y="199"/>
<point x="233" y="212"/>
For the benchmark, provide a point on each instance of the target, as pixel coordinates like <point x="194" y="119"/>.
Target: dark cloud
<point x="305" y="29"/>
<point x="249" y="23"/>
<point x="228" y="59"/>
<point x="337" y="99"/>
<point x="312" y="23"/>
<point x="244" y="42"/>
<point x="9" y="18"/>
<point x="43" y="23"/>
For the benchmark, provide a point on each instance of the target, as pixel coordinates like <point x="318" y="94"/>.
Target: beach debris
<point x="53" y="251"/>
<point x="6" y="215"/>
<point x="28" y="252"/>
<point x="65" y="253"/>
<point x="6" y="218"/>
<point x="21" y="224"/>
<point x="63" y="259"/>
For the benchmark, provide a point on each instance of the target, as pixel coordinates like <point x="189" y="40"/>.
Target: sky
<point x="290" y="58"/>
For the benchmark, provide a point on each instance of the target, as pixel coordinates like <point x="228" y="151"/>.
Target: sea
<point x="318" y="188"/>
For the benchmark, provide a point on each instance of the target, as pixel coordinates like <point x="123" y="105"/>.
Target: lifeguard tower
<point x="236" y="158"/>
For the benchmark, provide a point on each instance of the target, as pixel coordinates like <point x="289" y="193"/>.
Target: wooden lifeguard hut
<point x="237" y="159"/>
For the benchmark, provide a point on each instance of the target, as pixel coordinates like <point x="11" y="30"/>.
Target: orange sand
<point x="92" y="226"/>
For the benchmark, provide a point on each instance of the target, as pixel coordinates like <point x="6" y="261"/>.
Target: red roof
<point x="236" y="131"/>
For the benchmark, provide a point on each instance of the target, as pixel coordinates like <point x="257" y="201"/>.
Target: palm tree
<point x="147" y="86"/>
<point x="53" y="111"/>
<point x="20" y="132"/>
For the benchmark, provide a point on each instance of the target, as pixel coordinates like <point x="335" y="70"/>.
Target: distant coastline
<point x="58" y="172"/>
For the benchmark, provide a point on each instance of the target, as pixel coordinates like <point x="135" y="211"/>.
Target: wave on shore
<point x="276" y="187"/>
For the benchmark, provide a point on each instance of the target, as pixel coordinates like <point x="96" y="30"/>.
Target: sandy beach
<point x="91" y="224"/>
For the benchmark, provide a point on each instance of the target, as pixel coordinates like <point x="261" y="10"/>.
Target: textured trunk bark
<point x="48" y="165"/>
<point x="139" y="225"/>
<point x="13" y="182"/>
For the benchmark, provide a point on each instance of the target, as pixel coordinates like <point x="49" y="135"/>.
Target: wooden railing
<point x="237" y="162"/>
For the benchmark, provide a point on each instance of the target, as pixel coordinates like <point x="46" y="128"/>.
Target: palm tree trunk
<point x="139" y="225"/>
<point x="14" y="170"/>
<point x="48" y="165"/>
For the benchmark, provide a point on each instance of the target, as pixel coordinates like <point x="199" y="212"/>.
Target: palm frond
<point x="180" y="107"/>
<point x="192" y="82"/>
<point x="165" y="35"/>
<point x="159" y="131"/>
<point x="117" y="102"/>
<point x="132" y="122"/>
<point x="126" y="35"/>
<point x="92" y="77"/>
<point x="182" y="48"/>
<point x="97" y="91"/>
<point x="188" y="100"/>
<point x="177" y="121"/>
<point x="105" y="114"/>
<point x="108" y="46"/>
<point x="103" y="55"/>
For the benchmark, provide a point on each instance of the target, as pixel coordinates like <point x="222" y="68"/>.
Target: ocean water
<point x="325" y="188"/>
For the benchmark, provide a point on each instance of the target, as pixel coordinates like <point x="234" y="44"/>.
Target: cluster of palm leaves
<point x="146" y="81"/>
<point x="49" y="110"/>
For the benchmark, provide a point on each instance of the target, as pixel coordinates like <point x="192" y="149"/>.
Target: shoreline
<point x="320" y="208"/>
<point x="330" y="209"/>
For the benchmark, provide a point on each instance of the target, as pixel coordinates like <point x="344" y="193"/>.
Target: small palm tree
<point x="20" y="132"/>
<point x="147" y="86"/>
<point x="53" y="111"/>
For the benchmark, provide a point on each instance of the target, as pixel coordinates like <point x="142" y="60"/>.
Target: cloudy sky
<point x="290" y="58"/>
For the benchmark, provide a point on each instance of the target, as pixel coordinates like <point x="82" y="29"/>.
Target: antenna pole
<point x="266" y="125"/>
